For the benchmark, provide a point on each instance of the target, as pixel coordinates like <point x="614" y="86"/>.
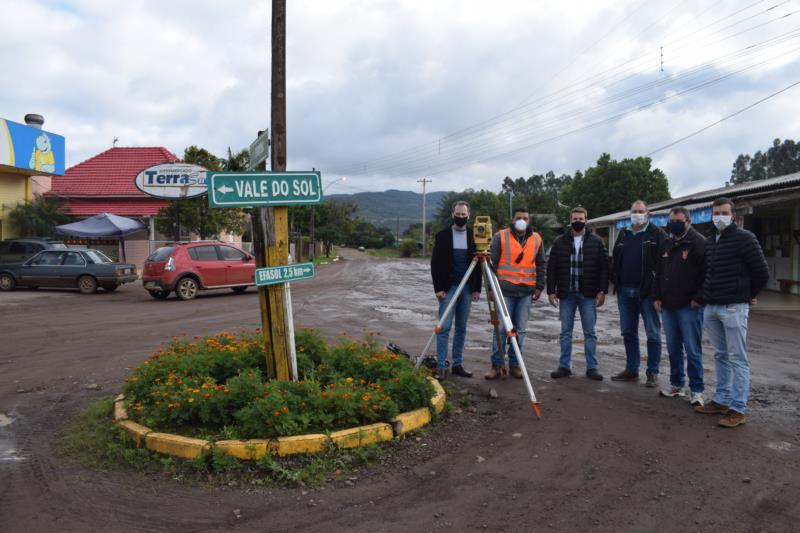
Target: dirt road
<point x="604" y="457"/>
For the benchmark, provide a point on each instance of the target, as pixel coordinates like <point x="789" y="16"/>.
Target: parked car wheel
<point x="7" y="282"/>
<point x="87" y="285"/>
<point x="159" y="295"/>
<point x="186" y="289"/>
<point x="240" y="290"/>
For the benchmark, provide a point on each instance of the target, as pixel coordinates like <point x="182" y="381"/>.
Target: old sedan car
<point x="85" y="270"/>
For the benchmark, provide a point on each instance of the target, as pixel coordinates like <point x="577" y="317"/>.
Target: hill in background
<point x="392" y="208"/>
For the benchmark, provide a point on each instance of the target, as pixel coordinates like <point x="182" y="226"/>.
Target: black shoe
<point x="441" y="374"/>
<point x="561" y="373"/>
<point x="592" y="373"/>
<point x="625" y="376"/>
<point x="652" y="380"/>
<point x="459" y="370"/>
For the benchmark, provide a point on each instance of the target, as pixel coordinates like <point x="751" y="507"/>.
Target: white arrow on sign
<point x="225" y="189"/>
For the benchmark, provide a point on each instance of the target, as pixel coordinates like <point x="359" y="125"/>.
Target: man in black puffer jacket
<point x="736" y="271"/>
<point x="577" y="278"/>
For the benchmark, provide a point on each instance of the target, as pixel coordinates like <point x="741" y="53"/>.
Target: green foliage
<point x="613" y="186"/>
<point x="217" y="385"/>
<point x="38" y="217"/>
<point x="194" y="214"/>
<point x="408" y="248"/>
<point x="780" y="159"/>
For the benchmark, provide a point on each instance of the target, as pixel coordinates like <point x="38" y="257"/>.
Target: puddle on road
<point x="781" y="446"/>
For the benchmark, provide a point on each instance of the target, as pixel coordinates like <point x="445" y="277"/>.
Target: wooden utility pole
<point x="272" y="232"/>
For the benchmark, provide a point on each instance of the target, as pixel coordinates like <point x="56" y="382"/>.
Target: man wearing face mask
<point x="453" y="251"/>
<point x="678" y="295"/>
<point x="577" y="279"/>
<point x="519" y="263"/>
<point x="736" y="271"/>
<point x="635" y="257"/>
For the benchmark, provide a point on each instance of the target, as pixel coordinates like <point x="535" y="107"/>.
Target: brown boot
<point x="733" y="419"/>
<point x="516" y="372"/>
<point x="493" y="373"/>
<point x="712" y="408"/>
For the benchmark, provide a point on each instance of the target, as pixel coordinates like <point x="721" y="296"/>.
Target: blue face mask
<point x="677" y="228"/>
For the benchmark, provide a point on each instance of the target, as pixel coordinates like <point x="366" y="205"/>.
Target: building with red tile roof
<point x="105" y="184"/>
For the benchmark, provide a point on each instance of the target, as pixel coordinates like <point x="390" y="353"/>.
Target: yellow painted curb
<point x="176" y="445"/>
<point x="135" y="431"/>
<point x="362" y="435"/>
<point x="245" y="449"/>
<point x="439" y="397"/>
<point x="189" y="448"/>
<point x="311" y="443"/>
<point x="405" y="422"/>
<point x="120" y="413"/>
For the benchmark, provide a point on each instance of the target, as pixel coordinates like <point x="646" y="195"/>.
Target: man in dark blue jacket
<point x="736" y="271"/>
<point x="453" y="251"/>
<point x="635" y="258"/>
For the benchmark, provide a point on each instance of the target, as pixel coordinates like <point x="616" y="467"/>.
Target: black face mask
<point x="578" y="226"/>
<point x="677" y="228"/>
<point x="460" y="221"/>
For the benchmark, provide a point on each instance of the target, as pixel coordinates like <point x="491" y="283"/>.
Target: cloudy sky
<point x="388" y="91"/>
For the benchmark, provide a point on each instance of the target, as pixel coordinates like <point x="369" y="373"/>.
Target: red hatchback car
<point x="189" y="267"/>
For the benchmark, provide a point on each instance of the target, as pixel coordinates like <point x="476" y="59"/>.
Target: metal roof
<point x="705" y="198"/>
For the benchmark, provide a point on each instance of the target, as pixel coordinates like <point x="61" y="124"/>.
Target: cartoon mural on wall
<point x="42" y="158"/>
<point x="31" y="149"/>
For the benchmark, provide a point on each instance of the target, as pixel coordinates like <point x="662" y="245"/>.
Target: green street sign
<point x="284" y="274"/>
<point x="255" y="189"/>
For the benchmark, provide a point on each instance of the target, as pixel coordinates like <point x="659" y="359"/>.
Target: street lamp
<point x="313" y="250"/>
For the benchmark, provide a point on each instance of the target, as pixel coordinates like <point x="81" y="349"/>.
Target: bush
<point x="217" y="385"/>
<point x="408" y="248"/>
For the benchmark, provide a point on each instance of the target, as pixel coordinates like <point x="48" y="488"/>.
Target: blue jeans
<point x="566" y="312"/>
<point x="630" y="307"/>
<point x="518" y="309"/>
<point x="726" y="326"/>
<point x="683" y="329"/>
<point x="461" y="313"/>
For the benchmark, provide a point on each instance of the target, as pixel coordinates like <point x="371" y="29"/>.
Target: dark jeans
<point x="683" y="329"/>
<point x="630" y="308"/>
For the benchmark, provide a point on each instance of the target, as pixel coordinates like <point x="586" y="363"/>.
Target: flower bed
<point x="215" y="386"/>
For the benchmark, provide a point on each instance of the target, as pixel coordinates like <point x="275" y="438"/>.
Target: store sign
<point x="172" y="180"/>
<point x="31" y="149"/>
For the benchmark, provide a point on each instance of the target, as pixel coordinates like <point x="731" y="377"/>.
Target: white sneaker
<point x="673" y="392"/>
<point x="697" y="399"/>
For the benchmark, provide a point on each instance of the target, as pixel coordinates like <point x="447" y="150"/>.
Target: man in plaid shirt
<point x="577" y="279"/>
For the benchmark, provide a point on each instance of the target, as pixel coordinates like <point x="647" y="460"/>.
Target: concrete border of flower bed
<point x="250" y="449"/>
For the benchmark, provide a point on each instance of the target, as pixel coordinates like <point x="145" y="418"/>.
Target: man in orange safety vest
<point x="518" y="261"/>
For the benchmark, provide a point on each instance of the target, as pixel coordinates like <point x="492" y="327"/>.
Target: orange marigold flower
<point x="276" y="413"/>
<point x="349" y="380"/>
<point x="206" y="395"/>
<point x="226" y="391"/>
<point x="284" y="409"/>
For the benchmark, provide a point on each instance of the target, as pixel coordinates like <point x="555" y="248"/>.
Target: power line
<point x="723" y="119"/>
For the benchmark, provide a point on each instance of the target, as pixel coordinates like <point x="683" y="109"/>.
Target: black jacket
<point x="736" y="269"/>
<point x="442" y="262"/>
<point x="681" y="271"/>
<point x="595" y="265"/>
<point x="654" y="238"/>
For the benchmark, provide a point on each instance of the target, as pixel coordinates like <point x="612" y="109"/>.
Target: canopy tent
<point x="103" y="225"/>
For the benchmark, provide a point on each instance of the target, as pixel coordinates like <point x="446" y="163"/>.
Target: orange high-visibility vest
<point x="524" y="271"/>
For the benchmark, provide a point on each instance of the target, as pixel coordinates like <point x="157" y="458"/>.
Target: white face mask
<point x="722" y="221"/>
<point x="638" y="219"/>
<point x="520" y="225"/>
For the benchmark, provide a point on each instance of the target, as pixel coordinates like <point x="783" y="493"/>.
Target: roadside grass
<point x="384" y="252"/>
<point x="92" y="441"/>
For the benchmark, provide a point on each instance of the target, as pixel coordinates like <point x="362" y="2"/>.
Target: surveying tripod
<point x="496" y="303"/>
